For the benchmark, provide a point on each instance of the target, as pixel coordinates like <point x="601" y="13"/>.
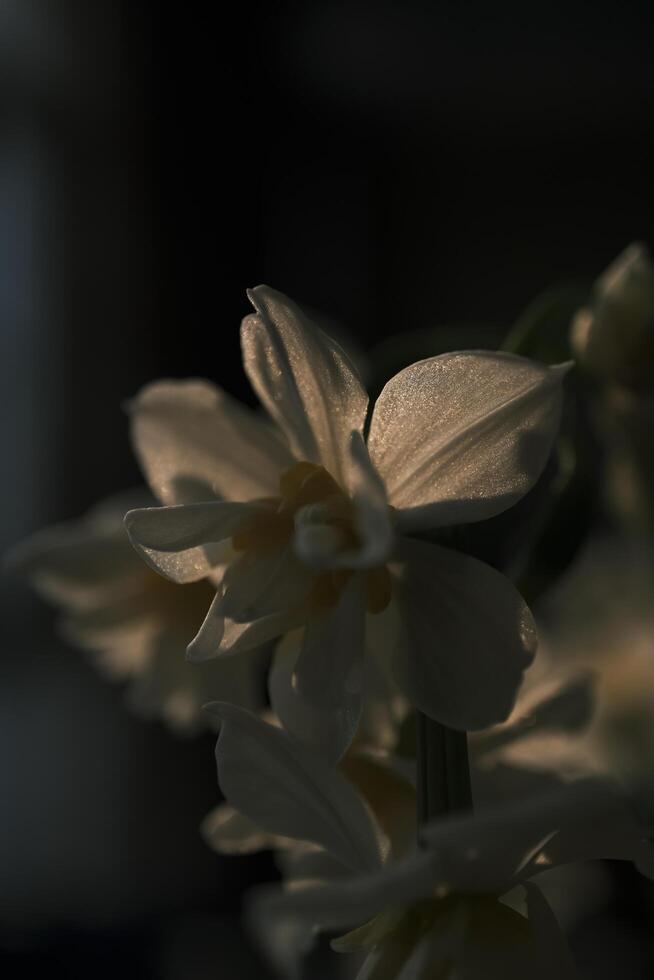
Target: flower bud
<point x="613" y="337"/>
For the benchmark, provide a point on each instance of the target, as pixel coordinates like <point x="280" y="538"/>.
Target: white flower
<point x="614" y="336"/>
<point x="134" y="623"/>
<point x="601" y="617"/>
<point x="442" y="900"/>
<point x="440" y="909"/>
<point x="249" y="751"/>
<point x="318" y="519"/>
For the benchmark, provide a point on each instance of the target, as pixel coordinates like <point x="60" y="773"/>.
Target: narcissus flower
<point x="613" y="336"/>
<point x="438" y="907"/>
<point x="251" y="751"/>
<point x="134" y="624"/>
<point x="310" y="522"/>
<point x="439" y="912"/>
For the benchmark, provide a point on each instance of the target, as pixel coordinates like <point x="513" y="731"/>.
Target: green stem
<point x="443" y="770"/>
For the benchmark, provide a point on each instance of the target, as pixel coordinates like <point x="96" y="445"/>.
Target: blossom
<point x="613" y="336"/>
<point x="133" y="623"/>
<point x="442" y="899"/>
<point x="384" y="777"/>
<point x="311" y="524"/>
<point x="600" y="616"/>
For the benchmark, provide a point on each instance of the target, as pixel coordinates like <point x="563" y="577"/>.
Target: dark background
<point x="391" y="165"/>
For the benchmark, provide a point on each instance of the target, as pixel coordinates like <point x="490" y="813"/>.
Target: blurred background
<point x="392" y="167"/>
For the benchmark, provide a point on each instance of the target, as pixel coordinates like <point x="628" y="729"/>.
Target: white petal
<point x="567" y="708"/>
<point x="238" y="637"/>
<point x="352" y="902"/>
<point x="554" y="953"/>
<point x="304" y="379"/>
<point x="463" y="436"/>
<point x="183" y="542"/>
<point x="206" y="643"/>
<point x="184" y="526"/>
<point x="230" y="832"/>
<point x="287" y="790"/>
<point x="77" y="564"/>
<point x="194" y="442"/>
<point x="316" y="681"/>
<point x="469" y="637"/>
<point x="328" y="676"/>
<point x="493" y="850"/>
<point x="304" y="864"/>
<point x="259" y="585"/>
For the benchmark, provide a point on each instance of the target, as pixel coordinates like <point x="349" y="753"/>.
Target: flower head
<point x="133" y="623"/>
<point x="305" y="523"/>
<point x="438" y="906"/>
<point x="614" y="336"/>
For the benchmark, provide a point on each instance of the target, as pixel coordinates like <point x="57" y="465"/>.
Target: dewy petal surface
<point x="304" y="380"/>
<point x="194" y="442"/>
<point x="286" y="790"/>
<point x="461" y="437"/>
<point x="468" y="634"/>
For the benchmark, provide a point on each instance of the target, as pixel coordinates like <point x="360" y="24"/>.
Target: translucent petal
<point x="76" y="564"/>
<point x="461" y="437"/>
<point x="206" y="644"/>
<point x="184" y="526"/>
<point x="246" y="636"/>
<point x="502" y="845"/>
<point x="353" y="901"/>
<point x="469" y="637"/>
<point x="230" y="832"/>
<point x="287" y="790"/>
<point x="568" y="708"/>
<point x="328" y="675"/>
<point x="304" y="379"/>
<point x="182" y="542"/>
<point x="257" y="585"/>
<point x="194" y="442"/>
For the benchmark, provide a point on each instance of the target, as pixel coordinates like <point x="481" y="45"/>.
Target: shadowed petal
<point x="469" y="637"/>
<point x="316" y="691"/>
<point x="287" y="790"/>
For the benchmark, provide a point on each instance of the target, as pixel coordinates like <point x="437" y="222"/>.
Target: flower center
<point x="317" y="515"/>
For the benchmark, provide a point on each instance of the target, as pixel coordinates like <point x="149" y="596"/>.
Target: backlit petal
<point x="304" y="380"/>
<point x="230" y="832"/>
<point x="183" y="542"/>
<point x="194" y="442"/>
<point x="461" y="437"/>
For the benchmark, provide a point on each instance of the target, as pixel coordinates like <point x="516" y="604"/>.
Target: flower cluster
<point x="321" y="545"/>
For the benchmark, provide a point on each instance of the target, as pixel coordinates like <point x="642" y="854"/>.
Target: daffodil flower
<point x="134" y="624"/>
<point x="451" y="910"/>
<point x="437" y="907"/>
<point x="311" y="524"/>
